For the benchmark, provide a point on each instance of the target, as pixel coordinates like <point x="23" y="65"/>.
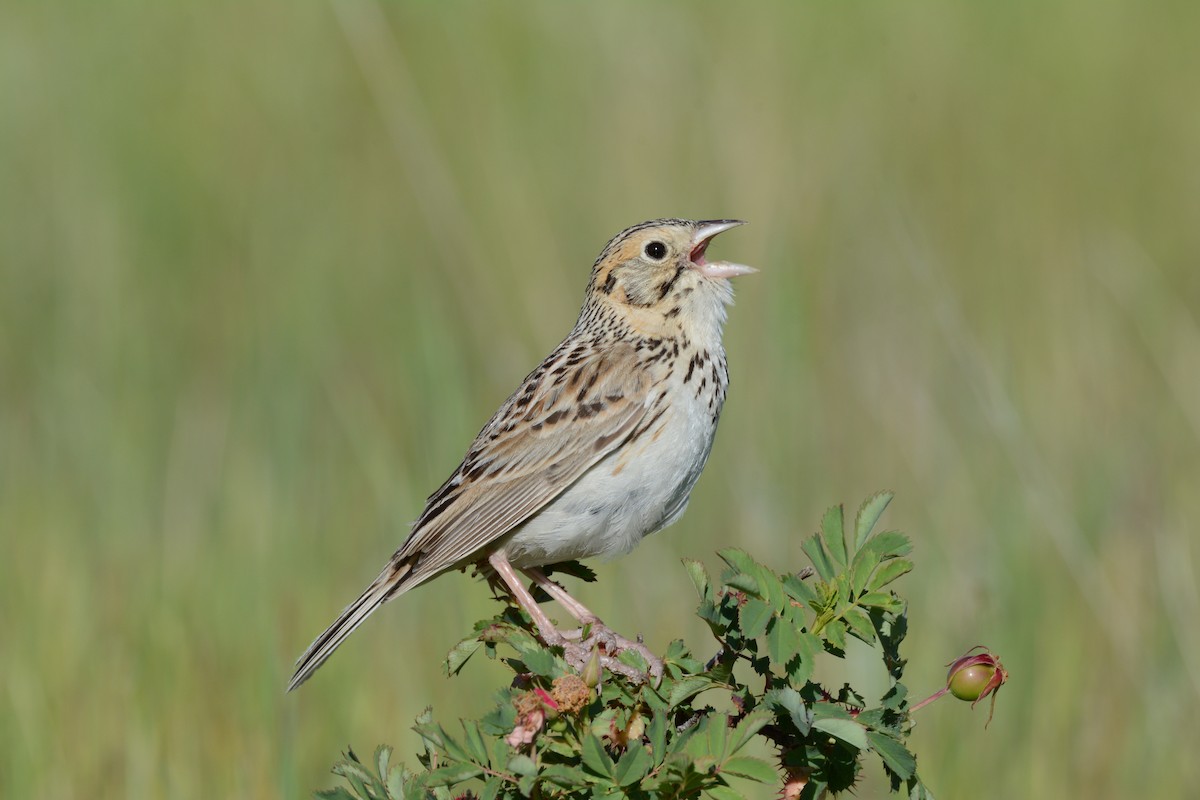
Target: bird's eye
<point x="656" y="250"/>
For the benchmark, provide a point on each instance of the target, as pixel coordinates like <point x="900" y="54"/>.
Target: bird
<point x="600" y="445"/>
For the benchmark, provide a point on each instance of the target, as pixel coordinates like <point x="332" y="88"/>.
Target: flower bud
<point x="976" y="675"/>
<point x="591" y="670"/>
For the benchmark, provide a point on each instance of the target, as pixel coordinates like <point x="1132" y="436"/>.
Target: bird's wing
<point x="570" y="412"/>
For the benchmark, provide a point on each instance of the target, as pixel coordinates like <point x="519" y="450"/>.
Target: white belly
<point x="631" y="493"/>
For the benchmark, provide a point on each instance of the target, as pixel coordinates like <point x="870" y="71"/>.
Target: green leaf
<point x="595" y="758"/>
<point x="833" y="527"/>
<point x="353" y="771"/>
<point x="396" y="781"/>
<point x="789" y="700"/>
<point x="744" y="583"/>
<point x="754" y="616"/>
<point x="815" y="548"/>
<point x="835" y="634"/>
<point x="474" y="742"/>
<point x="800" y="666"/>
<point x="336" y="793"/>
<point x="688" y="687"/>
<point x="859" y="625"/>
<point x="718" y="735"/>
<point x="782" y="641"/>
<point x="564" y="776"/>
<point x="461" y="653"/>
<point x="452" y="774"/>
<point x="881" y="600"/>
<point x="383" y="754"/>
<point x="848" y="731"/>
<point x="868" y="515"/>
<point x="756" y="769"/>
<point x="897" y="757"/>
<point x="800" y="590"/>
<point x="541" y="662"/>
<point x="749" y="725"/>
<point x="699" y="576"/>
<point x="723" y="793"/>
<point x="656" y="732"/>
<point x="522" y="765"/>
<point x="633" y="766"/>
<point x="889" y="572"/>
<point x="830" y="711"/>
<point x="452" y="747"/>
<point x="890" y="544"/>
<point x="491" y="789"/>
<point x="739" y="560"/>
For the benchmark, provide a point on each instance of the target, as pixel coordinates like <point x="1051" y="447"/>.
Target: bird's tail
<point x="389" y="583"/>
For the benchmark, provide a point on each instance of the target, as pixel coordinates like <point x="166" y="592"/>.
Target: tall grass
<point x="265" y="269"/>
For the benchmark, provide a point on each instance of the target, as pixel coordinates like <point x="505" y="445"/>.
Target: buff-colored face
<point x="646" y="264"/>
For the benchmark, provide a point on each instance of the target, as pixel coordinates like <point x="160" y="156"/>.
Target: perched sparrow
<point x="600" y="446"/>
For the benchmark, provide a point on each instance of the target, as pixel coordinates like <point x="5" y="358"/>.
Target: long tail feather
<point x="387" y="585"/>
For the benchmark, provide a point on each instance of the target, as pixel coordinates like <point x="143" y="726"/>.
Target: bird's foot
<point x="596" y="636"/>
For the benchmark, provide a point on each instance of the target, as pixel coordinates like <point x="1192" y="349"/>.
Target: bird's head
<point x="660" y="267"/>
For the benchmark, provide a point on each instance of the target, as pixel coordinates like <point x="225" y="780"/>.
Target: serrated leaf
<point x="897" y="757"/>
<point x="861" y="567"/>
<point x="868" y="514"/>
<point x="859" y="625"/>
<point x="747" y="727"/>
<point x="888" y="572"/>
<point x="460" y="654"/>
<point x="521" y="764"/>
<point x="790" y="701"/>
<point x="833" y="528"/>
<point x="753" y="617"/>
<point x="718" y="736"/>
<point x="894" y="698"/>
<point x="890" y="544"/>
<point x="633" y="766"/>
<point x="688" y="687"/>
<point x="656" y="732"/>
<point x="699" y="576"/>
<point x="744" y="583"/>
<point x="595" y="758"/>
<point x="540" y="662"/>
<point x="336" y="793"/>
<point x="723" y="793"/>
<point x="396" y="780"/>
<point x="815" y="549"/>
<point x="473" y="740"/>
<point x="848" y="731"/>
<point x="564" y="776"/>
<point x="739" y="560"/>
<point x="830" y="711"/>
<point x="756" y="769"/>
<point x="800" y="590"/>
<point x="835" y="634"/>
<point x="452" y="774"/>
<point x="452" y="747"/>
<point x="782" y="641"/>
<point x="353" y="771"/>
<point x="880" y="600"/>
<point x="800" y="667"/>
<point x="491" y="789"/>
<point x="383" y="754"/>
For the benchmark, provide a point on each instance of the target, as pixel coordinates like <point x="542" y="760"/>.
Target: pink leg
<point x="576" y="609"/>
<point x="601" y="634"/>
<point x="507" y="574"/>
<point x="576" y="653"/>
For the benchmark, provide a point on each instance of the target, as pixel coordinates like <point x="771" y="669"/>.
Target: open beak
<point x="705" y="232"/>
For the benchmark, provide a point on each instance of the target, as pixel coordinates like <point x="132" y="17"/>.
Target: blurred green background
<point x="265" y="268"/>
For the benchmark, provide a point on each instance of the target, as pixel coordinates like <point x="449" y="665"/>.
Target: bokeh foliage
<point x="265" y="268"/>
